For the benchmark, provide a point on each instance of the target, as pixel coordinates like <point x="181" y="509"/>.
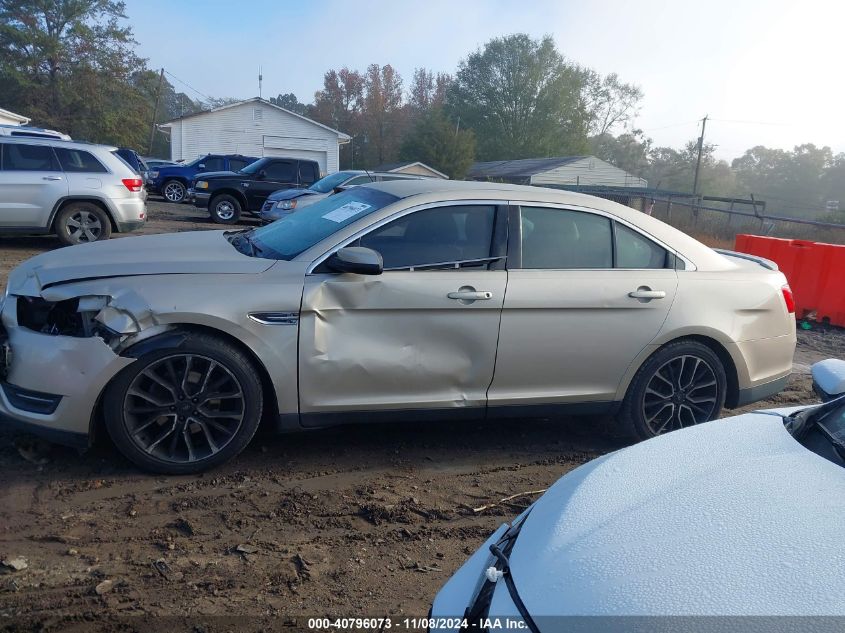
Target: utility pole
<point x="260" y="79"/>
<point x="700" y="150"/>
<point x="155" y="113"/>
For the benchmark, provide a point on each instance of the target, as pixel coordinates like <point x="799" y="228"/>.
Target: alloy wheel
<point x="682" y="392"/>
<point x="183" y="408"/>
<point x="225" y="210"/>
<point x="84" y="226"/>
<point x="174" y="192"/>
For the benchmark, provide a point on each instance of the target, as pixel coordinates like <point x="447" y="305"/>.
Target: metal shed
<point x="561" y="170"/>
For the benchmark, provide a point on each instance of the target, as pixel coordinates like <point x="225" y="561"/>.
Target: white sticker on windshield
<point x="347" y="211"/>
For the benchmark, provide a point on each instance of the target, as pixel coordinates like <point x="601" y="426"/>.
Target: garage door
<point x="297" y="148"/>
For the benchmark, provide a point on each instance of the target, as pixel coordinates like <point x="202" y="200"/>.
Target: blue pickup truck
<point x="172" y="181"/>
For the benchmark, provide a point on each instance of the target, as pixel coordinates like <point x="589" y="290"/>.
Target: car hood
<point x="290" y="194"/>
<point x="171" y="253"/>
<point x="726" y="518"/>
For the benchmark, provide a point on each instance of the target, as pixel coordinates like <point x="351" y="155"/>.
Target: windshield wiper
<point x="799" y="422"/>
<point x="243" y="242"/>
<point x="480" y="607"/>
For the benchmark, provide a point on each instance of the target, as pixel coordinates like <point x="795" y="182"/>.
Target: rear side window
<point x="29" y="158"/>
<point x="308" y="173"/>
<point x="561" y="239"/>
<point x="78" y="161"/>
<point x="637" y="251"/>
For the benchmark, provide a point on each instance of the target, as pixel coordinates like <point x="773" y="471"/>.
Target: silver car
<point x="79" y="191"/>
<point x="284" y="202"/>
<point x="406" y="300"/>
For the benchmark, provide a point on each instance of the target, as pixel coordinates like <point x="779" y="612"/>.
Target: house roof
<point x="394" y="167"/>
<point x="521" y="168"/>
<point x="341" y="135"/>
<point x="11" y="115"/>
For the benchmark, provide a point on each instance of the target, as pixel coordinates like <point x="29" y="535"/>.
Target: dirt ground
<point x="343" y="522"/>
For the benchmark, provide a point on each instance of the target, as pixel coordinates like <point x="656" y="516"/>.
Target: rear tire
<point x="174" y="191"/>
<point x="680" y="385"/>
<point x="184" y="409"/>
<point x="224" y="209"/>
<point x="81" y="223"/>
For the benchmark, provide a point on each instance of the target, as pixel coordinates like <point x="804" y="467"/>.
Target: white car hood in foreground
<point x="729" y="517"/>
<point x="172" y="253"/>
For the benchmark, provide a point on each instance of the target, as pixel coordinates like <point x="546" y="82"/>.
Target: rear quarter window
<point x="79" y="161"/>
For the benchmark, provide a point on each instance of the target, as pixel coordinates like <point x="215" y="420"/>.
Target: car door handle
<point x="471" y="295"/>
<point x="643" y="293"/>
<point x="51" y="178"/>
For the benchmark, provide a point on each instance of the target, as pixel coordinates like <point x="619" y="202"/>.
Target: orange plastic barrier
<point x="815" y="271"/>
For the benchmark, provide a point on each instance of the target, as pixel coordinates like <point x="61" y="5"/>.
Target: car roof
<point x="436" y="189"/>
<point x="57" y="142"/>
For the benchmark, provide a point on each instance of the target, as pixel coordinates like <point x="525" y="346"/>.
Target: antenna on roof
<point x="260" y="77"/>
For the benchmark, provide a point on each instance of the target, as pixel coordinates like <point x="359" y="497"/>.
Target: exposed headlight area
<point x="286" y="205"/>
<point x="152" y="175"/>
<point x="59" y="318"/>
<point x="201" y="184"/>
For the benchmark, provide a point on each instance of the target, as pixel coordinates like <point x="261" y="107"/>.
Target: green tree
<point x="428" y="90"/>
<point x="71" y="65"/>
<point x="290" y="102"/>
<point x="522" y="99"/>
<point x="629" y="151"/>
<point x="436" y="141"/>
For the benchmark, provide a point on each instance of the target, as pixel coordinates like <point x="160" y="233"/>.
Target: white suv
<point x="79" y="191"/>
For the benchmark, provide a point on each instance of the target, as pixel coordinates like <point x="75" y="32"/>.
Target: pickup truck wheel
<point x="224" y="209"/>
<point x="82" y="222"/>
<point x="174" y="191"/>
<point x="184" y="409"/>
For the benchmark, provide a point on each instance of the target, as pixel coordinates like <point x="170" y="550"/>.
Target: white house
<point x="254" y="127"/>
<point x="562" y="170"/>
<point x="10" y="118"/>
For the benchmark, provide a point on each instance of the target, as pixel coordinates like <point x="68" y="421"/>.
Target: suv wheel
<point x="174" y="191"/>
<point x="224" y="209"/>
<point x="82" y="222"/>
<point x="682" y="384"/>
<point x="184" y="409"/>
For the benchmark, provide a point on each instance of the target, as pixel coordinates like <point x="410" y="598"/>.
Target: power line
<point x="186" y="84"/>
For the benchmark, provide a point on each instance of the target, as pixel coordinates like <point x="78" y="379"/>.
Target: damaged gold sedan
<point x="408" y="300"/>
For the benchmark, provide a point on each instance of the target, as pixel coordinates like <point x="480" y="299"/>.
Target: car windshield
<point x="325" y="185"/>
<point x="255" y="167"/>
<point x="296" y="233"/>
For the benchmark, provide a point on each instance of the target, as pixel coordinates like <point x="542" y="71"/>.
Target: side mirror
<point x="829" y="378"/>
<point x="356" y="259"/>
<point x="201" y="166"/>
<point x="262" y="174"/>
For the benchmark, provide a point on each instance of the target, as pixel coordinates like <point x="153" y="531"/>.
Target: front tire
<point x="224" y="209"/>
<point x="680" y="385"/>
<point x="82" y="222"/>
<point x="174" y="191"/>
<point x="185" y="409"/>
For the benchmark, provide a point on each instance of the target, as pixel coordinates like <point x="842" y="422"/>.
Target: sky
<point x="766" y="72"/>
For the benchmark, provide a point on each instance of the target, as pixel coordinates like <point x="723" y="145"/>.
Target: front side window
<point x="562" y="239"/>
<point x="79" y="161"/>
<point x="282" y="171"/>
<point x="442" y="235"/>
<point x="18" y="157"/>
<point x="236" y="164"/>
<point x="214" y="164"/>
<point x="637" y="251"/>
<point x="308" y="173"/>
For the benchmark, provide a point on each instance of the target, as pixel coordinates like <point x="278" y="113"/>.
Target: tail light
<point x="133" y="184"/>
<point x="788" y="298"/>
